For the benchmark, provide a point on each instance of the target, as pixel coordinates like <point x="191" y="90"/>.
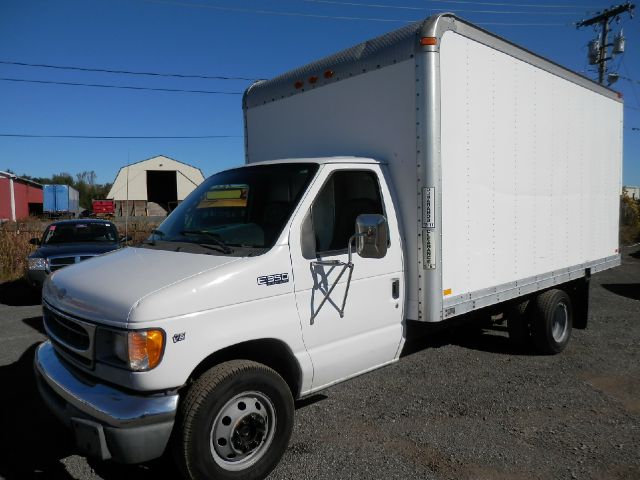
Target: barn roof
<point x="20" y="179"/>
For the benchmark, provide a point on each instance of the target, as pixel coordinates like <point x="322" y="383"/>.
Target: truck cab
<point x="259" y="264"/>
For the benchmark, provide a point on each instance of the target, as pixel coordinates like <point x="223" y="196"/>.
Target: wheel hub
<point x="248" y="433"/>
<point x="560" y="326"/>
<point x="243" y="430"/>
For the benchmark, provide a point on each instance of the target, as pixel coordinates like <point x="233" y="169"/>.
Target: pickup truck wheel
<point x="235" y="422"/>
<point x="552" y="321"/>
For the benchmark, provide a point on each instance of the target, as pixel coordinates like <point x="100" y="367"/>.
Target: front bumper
<point x="107" y="423"/>
<point x="36" y="278"/>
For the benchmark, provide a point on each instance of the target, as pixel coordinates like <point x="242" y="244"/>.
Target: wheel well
<point x="273" y="353"/>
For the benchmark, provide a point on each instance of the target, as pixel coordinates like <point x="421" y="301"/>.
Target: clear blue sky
<point x="243" y="38"/>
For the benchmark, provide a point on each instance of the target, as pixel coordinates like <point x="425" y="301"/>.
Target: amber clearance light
<point x="426" y="41"/>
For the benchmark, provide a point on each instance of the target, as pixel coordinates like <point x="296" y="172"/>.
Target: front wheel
<point x="234" y="423"/>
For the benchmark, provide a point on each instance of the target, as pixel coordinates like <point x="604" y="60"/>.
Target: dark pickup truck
<point x="67" y="242"/>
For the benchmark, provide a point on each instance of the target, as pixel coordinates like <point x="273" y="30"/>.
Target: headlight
<point x="135" y="350"/>
<point x="38" y="263"/>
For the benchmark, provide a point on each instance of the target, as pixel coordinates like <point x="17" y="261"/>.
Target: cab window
<point x="344" y="196"/>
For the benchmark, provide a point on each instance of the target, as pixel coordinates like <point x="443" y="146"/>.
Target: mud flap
<point x="580" y="301"/>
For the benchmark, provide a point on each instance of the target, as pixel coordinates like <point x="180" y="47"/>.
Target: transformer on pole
<point x="598" y="47"/>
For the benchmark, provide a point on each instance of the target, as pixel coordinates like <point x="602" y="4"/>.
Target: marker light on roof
<point x="426" y="41"/>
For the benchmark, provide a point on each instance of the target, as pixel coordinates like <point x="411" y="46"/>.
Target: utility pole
<point x="604" y="19"/>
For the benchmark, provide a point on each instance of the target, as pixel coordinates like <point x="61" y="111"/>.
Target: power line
<point x="401" y="7"/>
<point x="632" y="81"/>
<point x="330" y="17"/>
<point x="113" y="137"/>
<point x="512" y="24"/>
<point x="530" y="5"/>
<point x="629" y="79"/>
<point x="126" y="72"/>
<point x="271" y="12"/>
<point x="119" y="86"/>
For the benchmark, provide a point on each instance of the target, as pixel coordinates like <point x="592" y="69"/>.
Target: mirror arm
<point x="353" y="237"/>
<point x="335" y="263"/>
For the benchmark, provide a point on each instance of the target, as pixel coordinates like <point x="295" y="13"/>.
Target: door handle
<point x="395" y="288"/>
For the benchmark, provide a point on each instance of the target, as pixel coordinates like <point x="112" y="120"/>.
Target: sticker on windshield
<point x="274" y="279"/>
<point x="225" y="196"/>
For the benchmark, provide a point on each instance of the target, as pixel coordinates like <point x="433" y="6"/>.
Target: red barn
<point x="19" y="197"/>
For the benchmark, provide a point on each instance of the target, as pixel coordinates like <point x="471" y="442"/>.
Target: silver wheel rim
<point x="243" y="431"/>
<point x="560" y="327"/>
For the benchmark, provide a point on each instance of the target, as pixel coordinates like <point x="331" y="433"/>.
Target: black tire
<point x="519" y="324"/>
<point x="552" y="321"/>
<point x="249" y="407"/>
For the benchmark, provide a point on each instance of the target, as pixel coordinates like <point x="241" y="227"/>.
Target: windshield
<point x="80" y="233"/>
<point x="244" y="207"/>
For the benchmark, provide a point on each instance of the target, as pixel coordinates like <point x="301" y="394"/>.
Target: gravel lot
<point x="460" y="404"/>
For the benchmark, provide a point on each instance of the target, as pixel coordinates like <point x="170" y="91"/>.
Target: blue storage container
<point x="60" y="199"/>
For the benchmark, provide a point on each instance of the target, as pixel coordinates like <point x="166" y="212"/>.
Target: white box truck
<point x="468" y="175"/>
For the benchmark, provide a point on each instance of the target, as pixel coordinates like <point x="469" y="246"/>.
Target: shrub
<point x="629" y="221"/>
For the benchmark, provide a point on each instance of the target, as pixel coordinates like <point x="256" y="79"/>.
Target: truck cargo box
<point x="505" y="165"/>
<point x="60" y="199"/>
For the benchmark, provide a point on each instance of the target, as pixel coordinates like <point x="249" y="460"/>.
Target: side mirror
<point x="34" y="241"/>
<point x="125" y="239"/>
<point x="372" y="235"/>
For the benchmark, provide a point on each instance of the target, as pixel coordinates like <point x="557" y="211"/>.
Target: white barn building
<point x="153" y="186"/>
<point x="631" y="192"/>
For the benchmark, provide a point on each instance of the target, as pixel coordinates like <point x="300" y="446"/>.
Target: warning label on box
<point x="428" y="207"/>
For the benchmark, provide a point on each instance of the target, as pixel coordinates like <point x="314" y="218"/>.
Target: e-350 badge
<point x="274" y="279"/>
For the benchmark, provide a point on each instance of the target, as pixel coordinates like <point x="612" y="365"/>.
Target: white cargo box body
<point x="506" y="167"/>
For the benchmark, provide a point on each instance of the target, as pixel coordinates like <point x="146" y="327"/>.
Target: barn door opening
<point x="162" y="188"/>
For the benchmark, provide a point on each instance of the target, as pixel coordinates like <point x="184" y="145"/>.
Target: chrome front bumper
<point x="107" y="422"/>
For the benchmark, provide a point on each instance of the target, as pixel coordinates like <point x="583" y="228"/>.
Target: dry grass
<point x="15" y="247"/>
<point x="138" y="230"/>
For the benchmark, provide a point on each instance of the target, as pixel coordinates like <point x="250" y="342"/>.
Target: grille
<point x="56" y="263"/>
<point x="67" y="331"/>
<point x="71" y="337"/>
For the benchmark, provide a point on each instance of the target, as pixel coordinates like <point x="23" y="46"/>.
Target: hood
<point x="109" y="287"/>
<point x="74" y="249"/>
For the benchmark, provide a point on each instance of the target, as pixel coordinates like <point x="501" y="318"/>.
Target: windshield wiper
<point x="213" y="236"/>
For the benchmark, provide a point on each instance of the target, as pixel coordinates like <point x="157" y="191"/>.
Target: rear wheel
<point x="552" y="321"/>
<point x="235" y="423"/>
